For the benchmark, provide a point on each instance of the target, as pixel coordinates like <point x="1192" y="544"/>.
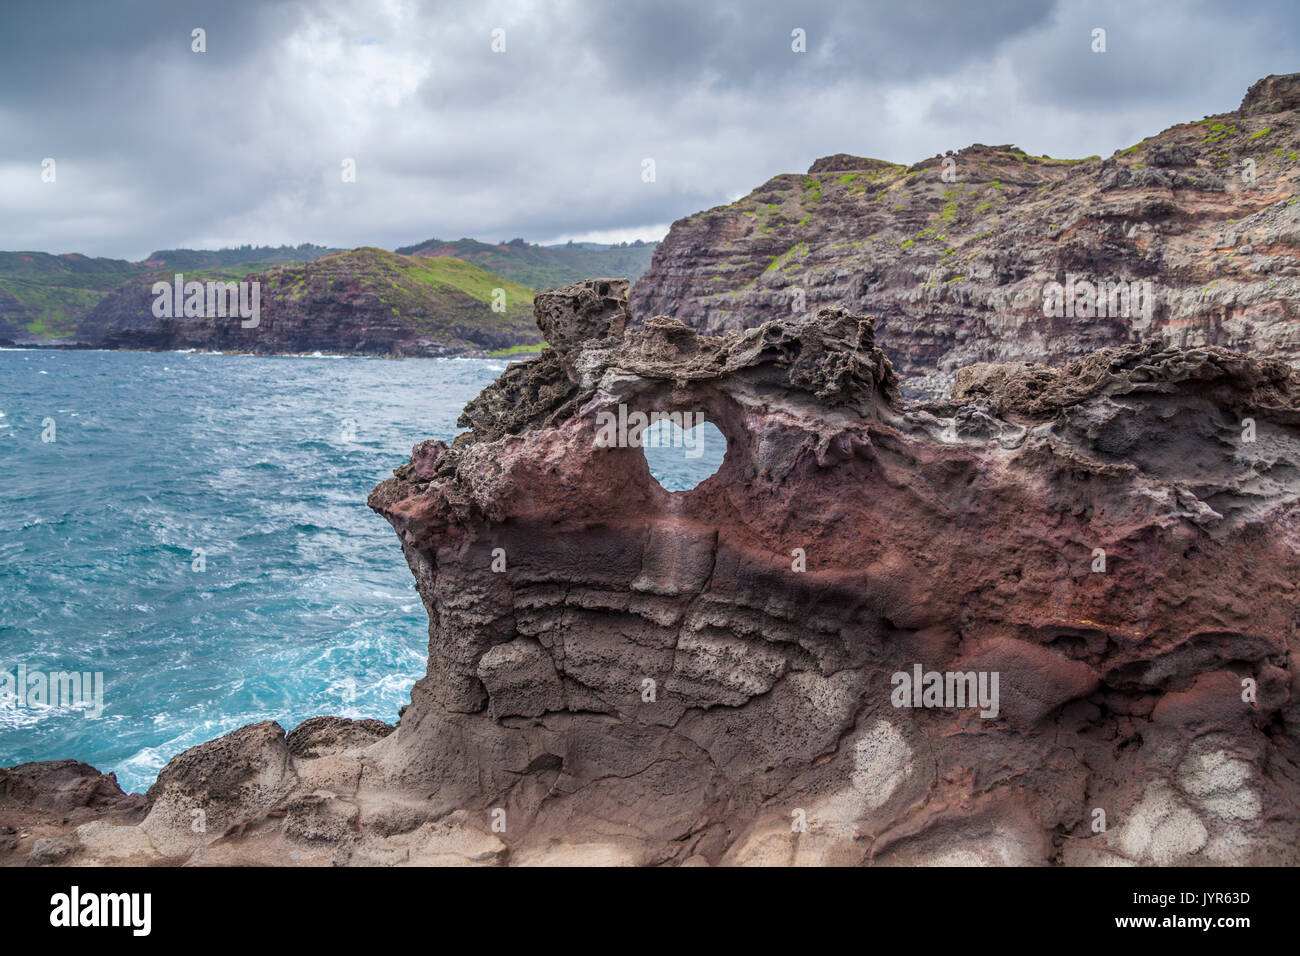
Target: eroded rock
<point x="622" y="675"/>
<point x="955" y="253"/>
<point x="964" y="536"/>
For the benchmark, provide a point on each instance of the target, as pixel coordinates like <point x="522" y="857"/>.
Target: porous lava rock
<point x="619" y="674"/>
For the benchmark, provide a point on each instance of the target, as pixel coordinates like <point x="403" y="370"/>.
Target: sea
<point x="187" y="532"/>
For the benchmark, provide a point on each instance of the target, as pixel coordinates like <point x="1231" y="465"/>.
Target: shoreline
<point x="318" y="353"/>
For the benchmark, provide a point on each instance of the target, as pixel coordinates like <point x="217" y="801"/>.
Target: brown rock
<point x="953" y="255"/>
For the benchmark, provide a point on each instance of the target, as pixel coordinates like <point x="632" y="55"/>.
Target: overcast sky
<point x="157" y="146"/>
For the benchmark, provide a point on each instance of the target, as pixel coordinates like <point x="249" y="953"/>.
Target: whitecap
<point x="14" y="718"/>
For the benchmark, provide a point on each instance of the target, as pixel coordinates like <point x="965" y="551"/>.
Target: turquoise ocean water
<point x="197" y="532"/>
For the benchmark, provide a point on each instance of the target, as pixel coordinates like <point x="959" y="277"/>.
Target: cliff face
<point x="952" y="255"/>
<point x="542" y="267"/>
<point x="44" y="297"/>
<point x="366" y="301"/>
<point x="1102" y="558"/>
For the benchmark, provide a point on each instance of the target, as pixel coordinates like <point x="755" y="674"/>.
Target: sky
<point x="546" y="137"/>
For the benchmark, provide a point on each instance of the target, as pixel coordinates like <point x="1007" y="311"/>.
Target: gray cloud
<point x="158" y="146"/>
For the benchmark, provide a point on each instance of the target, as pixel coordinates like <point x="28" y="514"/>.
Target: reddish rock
<point x="1210" y="700"/>
<point x="967" y="531"/>
<point x="1033" y="681"/>
<point x="619" y="674"/>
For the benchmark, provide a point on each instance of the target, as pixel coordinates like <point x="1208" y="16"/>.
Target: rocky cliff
<point x="543" y="267"/>
<point x="1051" y="620"/>
<point x="365" y="301"/>
<point x="954" y="255"/>
<point x="44" y="297"/>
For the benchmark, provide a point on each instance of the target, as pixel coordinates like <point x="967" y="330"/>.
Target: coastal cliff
<point x="741" y="673"/>
<point x="952" y="255"/>
<point x="361" y="302"/>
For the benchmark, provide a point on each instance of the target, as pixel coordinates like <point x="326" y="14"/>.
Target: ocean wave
<point x="303" y="586"/>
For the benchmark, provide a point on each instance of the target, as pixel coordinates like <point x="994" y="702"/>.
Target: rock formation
<point x="1109" y="551"/>
<point x="361" y="302"/>
<point x="953" y="255"/>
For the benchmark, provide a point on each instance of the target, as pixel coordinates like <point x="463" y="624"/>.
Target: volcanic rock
<point x="618" y="674"/>
<point x="963" y="536"/>
<point x="953" y="255"/>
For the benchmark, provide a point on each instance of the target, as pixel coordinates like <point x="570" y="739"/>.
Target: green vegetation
<point x="544" y="267"/>
<point x="1218" y="131"/>
<point x="783" y="261"/>
<point x="453" y="301"/>
<point x="238" y="260"/>
<point x="518" y="350"/>
<point x="46" y="296"/>
<point x="43" y="296"/>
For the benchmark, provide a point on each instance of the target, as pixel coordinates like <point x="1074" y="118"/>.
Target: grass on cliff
<point x="542" y="267"/>
<point x="44" y="296"/>
<point x="447" y="271"/>
<point x="445" y="297"/>
<point x="518" y="351"/>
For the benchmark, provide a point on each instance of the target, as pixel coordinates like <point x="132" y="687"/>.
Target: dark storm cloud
<point x="157" y="146"/>
<point x="1200" y="53"/>
<point x="681" y="43"/>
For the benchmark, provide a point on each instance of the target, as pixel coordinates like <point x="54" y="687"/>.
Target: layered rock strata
<point x="620" y="674"/>
<point x="954" y="254"/>
<point x="360" y="302"/>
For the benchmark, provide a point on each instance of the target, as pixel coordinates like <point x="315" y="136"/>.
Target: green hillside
<point x="362" y="301"/>
<point x="246" y="257"/>
<point x="44" y="296"/>
<point x="544" y="267"/>
<point x="423" y="290"/>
